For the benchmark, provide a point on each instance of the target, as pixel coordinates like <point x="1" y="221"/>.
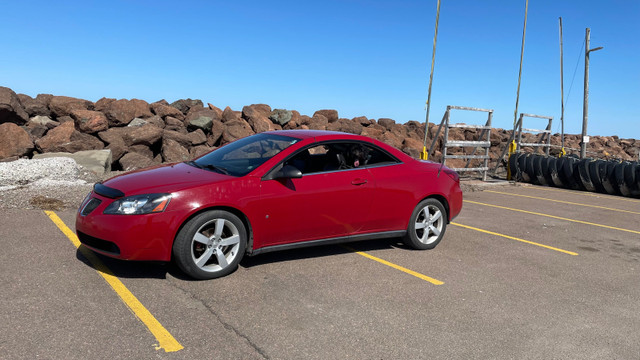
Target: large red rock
<point x="172" y="151"/>
<point x="415" y="130"/>
<point x="182" y="139"/>
<point x="113" y="135"/>
<point x="103" y="104"/>
<point x="89" y="121"/>
<point x="64" y="105"/>
<point x="331" y="115"/>
<point x="257" y="116"/>
<point x="201" y="119"/>
<point x="197" y="137"/>
<point x="199" y="150"/>
<point x="318" y="122"/>
<point x="15" y="141"/>
<point x="362" y="120"/>
<point x="34" y="107"/>
<point x="387" y="123"/>
<point x="216" y="109"/>
<point x="164" y="110"/>
<point x="372" y="132"/>
<point x="236" y="129"/>
<point x="11" y="109"/>
<point x="133" y="160"/>
<point x="392" y="139"/>
<point x="345" y="125"/>
<point x="121" y="112"/>
<point x="229" y="115"/>
<point x="65" y="138"/>
<point x="175" y="124"/>
<point x="185" y="104"/>
<point x="141" y="149"/>
<point x="217" y="129"/>
<point x="142" y="135"/>
<point x="412" y="147"/>
<point x="35" y="130"/>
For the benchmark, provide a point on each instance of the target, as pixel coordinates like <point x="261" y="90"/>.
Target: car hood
<point x="167" y="178"/>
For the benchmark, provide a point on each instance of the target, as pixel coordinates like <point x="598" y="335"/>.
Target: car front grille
<point x="99" y="244"/>
<point x="91" y="205"/>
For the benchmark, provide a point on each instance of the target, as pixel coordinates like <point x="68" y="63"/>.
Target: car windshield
<point x="243" y="156"/>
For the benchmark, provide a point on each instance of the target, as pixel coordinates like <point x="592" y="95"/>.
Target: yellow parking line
<point x="564" y="202"/>
<point x="552" y="216"/>
<point x="515" y="238"/>
<point x="165" y="340"/>
<point x="397" y="267"/>
<point x="585" y="193"/>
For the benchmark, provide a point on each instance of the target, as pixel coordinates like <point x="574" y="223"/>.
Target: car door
<point x="326" y="202"/>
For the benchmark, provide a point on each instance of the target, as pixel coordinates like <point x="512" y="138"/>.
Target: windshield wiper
<point x="193" y="163"/>
<point x="216" y="168"/>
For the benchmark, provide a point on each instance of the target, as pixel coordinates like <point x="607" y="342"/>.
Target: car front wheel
<point x="427" y="225"/>
<point x="210" y="245"/>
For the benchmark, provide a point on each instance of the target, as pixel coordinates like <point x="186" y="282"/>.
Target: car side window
<point x="339" y="156"/>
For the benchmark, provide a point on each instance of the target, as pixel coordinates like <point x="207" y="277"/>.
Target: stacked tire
<point x="570" y="172"/>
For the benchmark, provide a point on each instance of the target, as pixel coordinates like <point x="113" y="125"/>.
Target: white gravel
<point x="57" y="178"/>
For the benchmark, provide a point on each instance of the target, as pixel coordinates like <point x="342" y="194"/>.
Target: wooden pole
<point x="561" y="90"/>
<point x="424" y="155"/>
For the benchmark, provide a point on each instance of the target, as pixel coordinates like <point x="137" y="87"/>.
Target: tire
<point x="528" y="170"/>
<point x="630" y="179"/>
<point x="596" y="170"/>
<point x="554" y="169"/>
<point x="583" y="174"/>
<point x="537" y="169"/>
<point x="638" y="175"/>
<point x="619" y="172"/>
<point x="210" y="245"/>
<point x="522" y="165"/>
<point x="547" y="164"/>
<point x="427" y="225"/>
<point x="568" y="170"/>
<point x="608" y="181"/>
<point x="513" y="167"/>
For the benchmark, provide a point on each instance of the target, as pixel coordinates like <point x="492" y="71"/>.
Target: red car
<point x="270" y="191"/>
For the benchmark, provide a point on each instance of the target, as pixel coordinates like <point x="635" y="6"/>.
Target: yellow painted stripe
<point x="583" y="193"/>
<point x="564" y="202"/>
<point x="515" y="238"/>
<point x="165" y="340"/>
<point x="397" y="267"/>
<point x="554" y="217"/>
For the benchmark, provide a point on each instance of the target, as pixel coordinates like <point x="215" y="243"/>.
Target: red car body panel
<point x="317" y="206"/>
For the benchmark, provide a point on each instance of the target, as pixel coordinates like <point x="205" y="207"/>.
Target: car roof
<point x="305" y="134"/>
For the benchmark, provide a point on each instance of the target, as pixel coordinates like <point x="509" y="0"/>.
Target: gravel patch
<point x="38" y="183"/>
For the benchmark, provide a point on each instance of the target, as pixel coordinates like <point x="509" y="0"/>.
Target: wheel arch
<point x="443" y="201"/>
<point x="232" y="210"/>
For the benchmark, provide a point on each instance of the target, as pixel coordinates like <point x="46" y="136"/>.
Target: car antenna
<point x="440" y="168"/>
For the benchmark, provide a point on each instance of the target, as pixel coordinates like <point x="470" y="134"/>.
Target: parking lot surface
<point x="525" y="272"/>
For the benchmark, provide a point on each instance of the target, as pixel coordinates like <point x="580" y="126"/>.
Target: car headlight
<point x="139" y="204"/>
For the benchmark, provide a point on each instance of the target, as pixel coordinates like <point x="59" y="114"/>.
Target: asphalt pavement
<point x="527" y="272"/>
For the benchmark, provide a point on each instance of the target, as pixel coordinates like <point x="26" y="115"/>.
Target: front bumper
<point x="127" y="237"/>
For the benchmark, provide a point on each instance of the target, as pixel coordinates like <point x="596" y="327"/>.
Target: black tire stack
<point x="570" y="172"/>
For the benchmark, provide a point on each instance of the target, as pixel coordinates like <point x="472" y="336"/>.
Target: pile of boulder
<point x="141" y="134"/>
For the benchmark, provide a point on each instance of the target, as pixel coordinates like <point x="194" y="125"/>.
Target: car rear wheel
<point x="210" y="245"/>
<point x="427" y="225"/>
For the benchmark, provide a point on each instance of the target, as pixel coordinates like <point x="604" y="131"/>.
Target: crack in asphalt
<point x="224" y="324"/>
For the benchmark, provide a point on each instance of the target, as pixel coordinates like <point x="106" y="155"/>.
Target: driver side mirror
<point x="288" y="172"/>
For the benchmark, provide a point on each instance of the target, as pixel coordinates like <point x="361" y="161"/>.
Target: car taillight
<point x="452" y="174"/>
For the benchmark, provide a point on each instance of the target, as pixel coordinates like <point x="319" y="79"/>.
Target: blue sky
<point x="368" y="58"/>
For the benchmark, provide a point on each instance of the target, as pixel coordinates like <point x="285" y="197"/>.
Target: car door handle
<point x="358" y="181"/>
